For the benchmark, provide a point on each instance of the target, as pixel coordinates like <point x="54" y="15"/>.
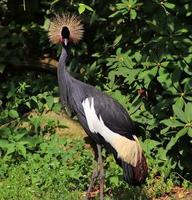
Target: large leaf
<point x="10" y="148"/>
<point x="50" y="101"/>
<point x="178" y="111"/>
<point x="175" y="138"/>
<point x="133" y="14"/>
<point x="117" y="40"/>
<point x="13" y="114"/>
<point x="188" y="112"/>
<point x="169" y="5"/>
<point x="172" y="123"/>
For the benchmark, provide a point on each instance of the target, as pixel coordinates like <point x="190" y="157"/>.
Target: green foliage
<point x="53" y="171"/>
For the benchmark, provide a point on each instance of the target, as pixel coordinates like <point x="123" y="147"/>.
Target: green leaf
<point x="164" y="131"/>
<point x="117" y="40"/>
<point x="169" y="5"/>
<point x="3" y="143"/>
<point x="22" y="150"/>
<point x="35" y="121"/>
<point x="148" y="75"/>
<point x="46" y="24"/>
<point x="133" y="14"/>
<point x="57" y="107"/>
<point x="188" y="112"/>
<point x="88" y="8"/>
<point x="10" y="148"/>
<point x="50" y="101"/>
<point x="175" y="139"/>
<point x="114" y="180"/>
<point x="149" y="144"/>
<point x="177" y="108"/>
<point x="162" y="154"/>
<point x="18" y="136"/>
<point x="138" y="56"/>
<point x="164" y="64"/>
<point x="81" y="9"/>
<point x="34" y="99"/>
<point x="190" y="132"/>
<point x="172" y="123"/>
<point x="13" y="114"/>
<point x="28" y="104"/>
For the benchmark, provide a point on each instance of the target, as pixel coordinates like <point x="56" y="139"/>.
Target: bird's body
<point x="105" y="121"/>
<point x="103" y="118"/>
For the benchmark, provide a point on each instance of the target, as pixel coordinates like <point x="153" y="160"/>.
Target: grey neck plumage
<point x="64" y="79"/>
<point x="62" y="59"/>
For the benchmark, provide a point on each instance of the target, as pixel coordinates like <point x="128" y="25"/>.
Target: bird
<point x="105" y="120"/>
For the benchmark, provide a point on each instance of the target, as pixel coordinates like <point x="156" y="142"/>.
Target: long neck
<point x="64" y="78"/>
<point x="62" y="59"/>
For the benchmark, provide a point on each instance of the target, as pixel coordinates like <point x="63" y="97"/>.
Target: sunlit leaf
<point x="21" y="148"/>
<point x="188" y="111"/>
<point x="50" y="101"/>
<point x="172" y="123"/>
<point x="169" y="5"/>
<point x="190" y="132"/>
<point x="13" y="114"/>
<point x="82" y="7"/>
<point x="138" y="56"/>
<point x="117" y="40"/>
<point x="133" y="14"/>
<point x="178" y="111"/>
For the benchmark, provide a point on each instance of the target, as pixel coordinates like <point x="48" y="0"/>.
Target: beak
<point x="65" y="41"/>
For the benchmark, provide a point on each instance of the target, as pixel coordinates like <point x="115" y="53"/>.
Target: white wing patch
<point x="128" y="150"/>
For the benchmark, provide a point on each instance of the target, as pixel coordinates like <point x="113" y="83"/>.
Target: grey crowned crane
<point x="102" y="118"/>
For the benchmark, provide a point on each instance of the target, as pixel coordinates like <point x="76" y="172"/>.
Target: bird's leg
<point x="101" y="171"/>
<point x="93" y="179"/>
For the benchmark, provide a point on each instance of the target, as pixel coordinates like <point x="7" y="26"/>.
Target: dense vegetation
<point x="139" y="52"/>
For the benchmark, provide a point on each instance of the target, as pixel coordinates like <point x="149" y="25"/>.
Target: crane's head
<point x="65" y="29"/>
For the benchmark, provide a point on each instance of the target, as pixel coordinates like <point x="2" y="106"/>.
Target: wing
<point x="114" y="116"/>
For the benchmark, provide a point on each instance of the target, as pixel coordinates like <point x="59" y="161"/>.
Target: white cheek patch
<point x="128" y="150"/>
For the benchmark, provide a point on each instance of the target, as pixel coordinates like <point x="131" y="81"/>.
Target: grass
<point x="45" y="155"/>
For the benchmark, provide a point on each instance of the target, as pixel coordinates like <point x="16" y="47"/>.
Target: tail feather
<point x="127" y="172"/>
<point x="135" y="175"/>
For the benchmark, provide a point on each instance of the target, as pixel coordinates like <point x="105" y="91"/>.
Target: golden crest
<point x="72" y="22"/>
